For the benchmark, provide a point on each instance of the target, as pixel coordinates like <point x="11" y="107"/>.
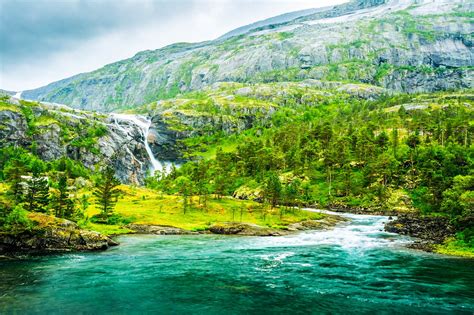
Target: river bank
<point x="433" y="234"/>
<point x="243" y="228"/>
<point x="49" y="235"/>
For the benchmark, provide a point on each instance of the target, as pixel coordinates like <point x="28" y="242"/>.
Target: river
<point x="354" y="268"/>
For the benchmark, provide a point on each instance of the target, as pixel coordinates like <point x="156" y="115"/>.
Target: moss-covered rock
<point x="157" y="229"/>
<point x="50" y="235"/>
<point x="232" y="228"/>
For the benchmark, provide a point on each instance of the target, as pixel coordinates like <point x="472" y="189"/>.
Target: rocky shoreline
<point x="429" y="231"/>
<point x="65" y="236"/>
<point x="52" y="236"/>
<point x="60" y="236"/>
<point x="241" y="228"/>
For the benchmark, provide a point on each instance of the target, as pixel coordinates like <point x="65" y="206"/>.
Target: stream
<point x="354" y="268"/>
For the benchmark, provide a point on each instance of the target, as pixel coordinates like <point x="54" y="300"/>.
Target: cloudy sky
<point x="47" y="40"/>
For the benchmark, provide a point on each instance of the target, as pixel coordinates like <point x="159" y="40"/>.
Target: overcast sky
<point x="42" y="41"/>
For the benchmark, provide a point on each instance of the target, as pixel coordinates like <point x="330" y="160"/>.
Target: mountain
<point x="7" y="92"/>
<point x="365" y="107"/>
<point x="400" y="45"/>
<point x="271" y="22"/>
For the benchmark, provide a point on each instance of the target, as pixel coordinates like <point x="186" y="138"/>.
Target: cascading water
<point x="18" y="95"/>
<point x="144" y="125"/>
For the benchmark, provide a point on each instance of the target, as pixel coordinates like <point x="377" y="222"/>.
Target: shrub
<point x="17" y="219"/>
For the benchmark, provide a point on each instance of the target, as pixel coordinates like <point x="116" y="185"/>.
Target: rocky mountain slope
<point x="169" y="130"/>
<point x="52" y="131"/>
<point x="400" y="45"/>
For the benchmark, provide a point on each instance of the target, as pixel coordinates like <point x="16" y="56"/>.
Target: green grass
<point x="455" y="247"/>
<point x="9" y="107"/>
<point x="226" y="146"/>
<point x="144" y="206"/>
<point x="45" y="121"/>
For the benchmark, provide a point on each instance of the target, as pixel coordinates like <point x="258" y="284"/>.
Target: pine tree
<point x="395" y="142"/>
<point x="63" y="204"/>
<point x="13" y="174"/>
<point x="184" y="186"/>
<point x="83" y="206"/>
<point x="273" y="188"/>
<point x="37" y="197"/>
<point x="106" y="192"/>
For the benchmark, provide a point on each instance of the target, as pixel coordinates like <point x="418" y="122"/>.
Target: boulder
<point x="328" y="222"/>
<point x="431" y="229"/>
<point x="247" y="229"/>
<point x="51" y="235"/>
<point x="157" y="229"/>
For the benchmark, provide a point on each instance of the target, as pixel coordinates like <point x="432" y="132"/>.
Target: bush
<point x="467" y="236"/>
<point x="17" y="219"/>
<point x="114" y="219"/>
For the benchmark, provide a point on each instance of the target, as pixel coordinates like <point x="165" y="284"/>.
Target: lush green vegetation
<point x="62" y="189"/>
<point x="343" y="146"/>
<point x="396" y="153"/>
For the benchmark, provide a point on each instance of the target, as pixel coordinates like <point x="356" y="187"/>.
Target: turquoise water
<point x="355" y="268"/>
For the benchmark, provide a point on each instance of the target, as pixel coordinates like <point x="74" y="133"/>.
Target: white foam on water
<point x="361" y="232"/>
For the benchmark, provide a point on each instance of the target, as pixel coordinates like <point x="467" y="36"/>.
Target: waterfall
<point x="144" y="125"/>
<point x="18" y="95"/>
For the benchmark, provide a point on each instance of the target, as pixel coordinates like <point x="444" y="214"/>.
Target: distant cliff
<point x="401" y="45"/>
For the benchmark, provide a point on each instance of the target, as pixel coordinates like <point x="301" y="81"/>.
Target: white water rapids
<point x="360" y="233"/>
<point x="144" y="124"/>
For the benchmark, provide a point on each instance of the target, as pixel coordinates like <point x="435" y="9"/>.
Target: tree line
<point x="354" y="154"/>
<point x="50" y="188"/>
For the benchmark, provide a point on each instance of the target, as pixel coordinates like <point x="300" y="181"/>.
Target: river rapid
<point x="354" y="268"/>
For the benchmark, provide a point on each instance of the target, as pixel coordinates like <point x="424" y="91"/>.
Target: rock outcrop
<point x="245" y="229"/>
<point x="50" y="235"/>
<point x="54" y="131"/>
<point x="328" y="222"/>
<point x="430" y="231"/>
<point x="435" y="229"/>
<point x="157" y="229"/>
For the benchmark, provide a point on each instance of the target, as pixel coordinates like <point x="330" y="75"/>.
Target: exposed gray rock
<point x="63" y="236"/>
<point x="121" y="145"/>
<point x="408" y="46"/>
<point x="328" y="222"/>
<point x="247" y="229"/>
<point x="157" y="229"/>
<point x="432" y="229"/>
